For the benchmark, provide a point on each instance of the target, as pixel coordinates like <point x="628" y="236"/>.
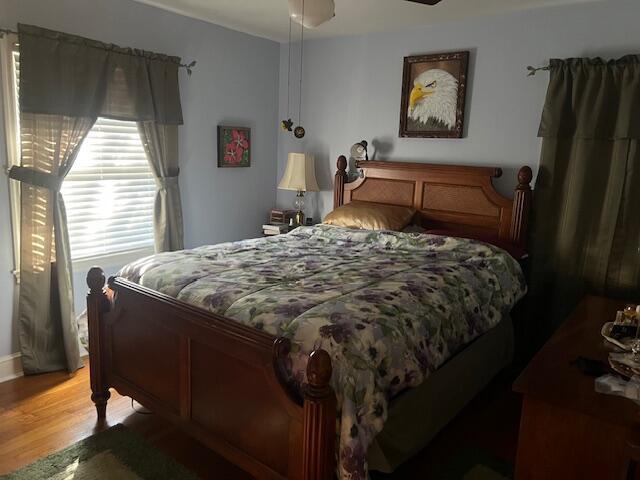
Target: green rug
<point x="116" y="453"/>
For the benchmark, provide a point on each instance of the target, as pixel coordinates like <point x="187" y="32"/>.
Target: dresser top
<point x="551" y="378"/>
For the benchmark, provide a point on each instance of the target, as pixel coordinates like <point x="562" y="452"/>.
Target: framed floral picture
<point x="433" y="93"/>
<point x="234" y="146"/>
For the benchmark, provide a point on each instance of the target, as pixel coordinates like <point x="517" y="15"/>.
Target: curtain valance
<point x="73" y="76"/>
<point x="593" y="99"/>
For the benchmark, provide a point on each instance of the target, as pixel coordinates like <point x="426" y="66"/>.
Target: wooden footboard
<point x="218" y="380"/>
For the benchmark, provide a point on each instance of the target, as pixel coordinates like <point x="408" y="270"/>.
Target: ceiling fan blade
<point x="425" y="2"/>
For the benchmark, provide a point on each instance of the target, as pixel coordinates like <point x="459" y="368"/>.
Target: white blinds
<point x="109" y="192"/>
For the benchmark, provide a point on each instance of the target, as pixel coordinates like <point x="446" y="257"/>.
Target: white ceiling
<point x="269" y="18"/>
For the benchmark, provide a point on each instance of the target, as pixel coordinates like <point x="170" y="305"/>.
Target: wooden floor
<point x="42" y="414"/>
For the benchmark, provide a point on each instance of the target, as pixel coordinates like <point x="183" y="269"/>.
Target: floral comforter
<point x="389" y="307"/>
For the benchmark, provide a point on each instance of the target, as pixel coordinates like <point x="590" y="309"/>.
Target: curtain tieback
<point x="36" y="177"/>
<point x="167" y="182"/>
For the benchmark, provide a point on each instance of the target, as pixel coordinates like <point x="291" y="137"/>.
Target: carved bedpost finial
<point x="525" y="175"/>
<point x="521" y="205"/>
<point x="96" y="279"/>
<point x="340" y="180"/>
<point x="319" y="372"/>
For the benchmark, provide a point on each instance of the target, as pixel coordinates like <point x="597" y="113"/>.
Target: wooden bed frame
<point x="221" y="381"/>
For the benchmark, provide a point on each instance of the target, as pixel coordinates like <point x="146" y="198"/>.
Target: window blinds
<point x="109" y="192"/>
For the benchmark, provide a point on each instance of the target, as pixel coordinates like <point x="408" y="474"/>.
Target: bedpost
<point x="319" y="417"/>
<point x="340" y="180"/>
<point x="521" y="206"/>
<point x="97" y="305"/>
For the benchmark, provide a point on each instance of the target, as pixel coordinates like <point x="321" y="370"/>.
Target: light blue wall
<point x="352" y="86"/>
<point x="235" y="82"/>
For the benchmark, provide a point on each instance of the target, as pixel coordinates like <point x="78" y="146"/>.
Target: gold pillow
<point x="370" y="216"/>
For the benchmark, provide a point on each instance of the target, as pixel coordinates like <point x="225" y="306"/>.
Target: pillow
<point x="512" y="249"/>
<point x="370" y="216"/>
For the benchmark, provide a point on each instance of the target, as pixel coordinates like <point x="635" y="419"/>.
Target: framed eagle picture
<point x="234" y="146"/>
<point x="433" y="93"/>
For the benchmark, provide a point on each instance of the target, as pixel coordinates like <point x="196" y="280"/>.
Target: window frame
<point x="8" y="46"/>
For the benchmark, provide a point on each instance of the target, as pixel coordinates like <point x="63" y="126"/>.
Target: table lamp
<point x="300" y="176"/>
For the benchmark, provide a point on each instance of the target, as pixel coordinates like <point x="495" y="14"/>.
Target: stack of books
<point x="269" y="229"/>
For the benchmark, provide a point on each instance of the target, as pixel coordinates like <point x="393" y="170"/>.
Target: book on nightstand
<point x="274" y="228"/>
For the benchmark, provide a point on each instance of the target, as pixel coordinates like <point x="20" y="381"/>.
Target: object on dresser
<point x="278" y="216"/>
<point x="275" y="228"/>
<point x="623" y="332"/>
<point x="614" y="385"/>
<point x="624" y="363"/>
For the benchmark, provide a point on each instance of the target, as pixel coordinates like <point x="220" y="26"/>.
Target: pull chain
<point x="299" y="130"/>
<point x="287" y="124"/>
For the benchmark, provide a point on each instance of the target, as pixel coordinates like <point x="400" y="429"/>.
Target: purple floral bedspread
<point x="389" y="307"/>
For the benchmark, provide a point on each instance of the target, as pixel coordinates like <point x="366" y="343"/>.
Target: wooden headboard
<point x="453" y="197"/>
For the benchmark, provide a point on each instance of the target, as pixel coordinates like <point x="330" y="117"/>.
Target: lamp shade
<point x="300" y="174"/>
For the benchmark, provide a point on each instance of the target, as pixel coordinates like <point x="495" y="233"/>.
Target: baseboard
<point x="10" y="367"/>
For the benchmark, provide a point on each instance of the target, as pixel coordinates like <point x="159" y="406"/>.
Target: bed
<point x="230" y="382"/>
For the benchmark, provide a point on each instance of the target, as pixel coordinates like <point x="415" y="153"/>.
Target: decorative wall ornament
<point x="433" y="95"/>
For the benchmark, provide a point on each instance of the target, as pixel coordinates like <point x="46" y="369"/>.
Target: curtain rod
<point x="533" y="70"/>
<point x="187" y="66"/>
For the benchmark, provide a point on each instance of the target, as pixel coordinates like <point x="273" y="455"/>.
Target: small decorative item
<point x="286" y="125"/>
<point x="299" y="132"/>
<point x="278" y="215"/>
<point x="234" y="146"/>
<point x="433" y="94"/>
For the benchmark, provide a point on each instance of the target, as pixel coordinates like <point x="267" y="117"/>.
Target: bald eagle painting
<point x="433" y="95"/>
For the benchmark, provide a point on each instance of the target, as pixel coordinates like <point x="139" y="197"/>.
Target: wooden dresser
<point x="567" y="430"/>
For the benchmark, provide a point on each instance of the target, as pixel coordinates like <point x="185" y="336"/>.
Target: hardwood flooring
<point x="42" y="414"/>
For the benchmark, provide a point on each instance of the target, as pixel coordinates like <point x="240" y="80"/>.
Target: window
<point x="109" y="192"/>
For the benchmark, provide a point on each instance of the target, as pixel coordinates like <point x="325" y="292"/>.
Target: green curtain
<point x="66" y="83"/>
<point x="47" y="331"/>
<point x="161" y="146"/>
<point x="585" y="235"/>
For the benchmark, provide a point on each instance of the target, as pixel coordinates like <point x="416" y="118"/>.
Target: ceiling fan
<point x="312" y="13"/>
